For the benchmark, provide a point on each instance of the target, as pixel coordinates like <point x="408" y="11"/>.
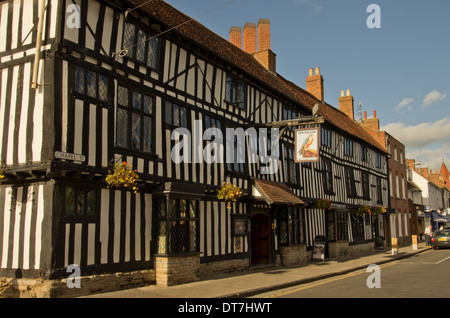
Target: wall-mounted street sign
<point x="307" y="145"/>
<point x="69" y="156"/>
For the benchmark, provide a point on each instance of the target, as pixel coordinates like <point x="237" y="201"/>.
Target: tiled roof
<point x="244" y="61"/>
<point x="276" y="193"/>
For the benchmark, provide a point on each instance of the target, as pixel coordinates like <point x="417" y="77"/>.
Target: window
<point x="291" y="227"/>
<point x="350" y="183"/>
<point x="176" y="115"/>
<point x="325" y="137"/>
<point x="365" y="186"/>
<point x="395" y="153"/>
<point x="140" y="45"/>
<point x="289" y="114"/>
<point x="90" y="84"/>
<point x="177" y="225"/>
<point x="290" y="168"/>
<point x="379" y="191"/>
<point x="235" y="92"/>
<point x="364" y="153"/>
<point x="134" y="120"/>
<point x="327" y="176"/>
<point x="357" y="223"/>
<point x="348" y="148"/>
<point x="79" y="202"/>
<point x="378" y="160"/>
<point x="337" y="229"/>
<point x="397" y="187"/>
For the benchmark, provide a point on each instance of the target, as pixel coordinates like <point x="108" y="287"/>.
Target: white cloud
<point x="433" y="97"/>
<point x="420" y="135"/>
<point x="406" y="102"/>
<point x="427" y="142"/>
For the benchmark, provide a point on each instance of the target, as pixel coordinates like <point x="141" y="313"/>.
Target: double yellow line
<point x="326" y="281"/>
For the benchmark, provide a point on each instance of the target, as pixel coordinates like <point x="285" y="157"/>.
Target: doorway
<point x="260" y="239"/>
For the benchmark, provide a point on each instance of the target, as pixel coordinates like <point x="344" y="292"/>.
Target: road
<point x="425" y="275"/>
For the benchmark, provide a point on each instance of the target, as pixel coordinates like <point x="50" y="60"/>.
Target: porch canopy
<point x="275" y="193"/>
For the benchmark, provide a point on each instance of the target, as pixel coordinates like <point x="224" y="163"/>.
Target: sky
<point x="400" y="68"/>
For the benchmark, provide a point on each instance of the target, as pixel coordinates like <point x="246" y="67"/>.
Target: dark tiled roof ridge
<point x="245" y="62"/>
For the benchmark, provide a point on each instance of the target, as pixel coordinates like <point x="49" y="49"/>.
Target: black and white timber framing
<point x="76" y="110"/>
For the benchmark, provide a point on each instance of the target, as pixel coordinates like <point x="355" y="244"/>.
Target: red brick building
<point x="400" y="214"/>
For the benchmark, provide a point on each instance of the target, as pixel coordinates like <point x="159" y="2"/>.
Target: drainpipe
<point x="37" y="56"/>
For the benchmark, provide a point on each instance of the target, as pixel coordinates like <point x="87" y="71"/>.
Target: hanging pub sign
<point x="307" y="145"/>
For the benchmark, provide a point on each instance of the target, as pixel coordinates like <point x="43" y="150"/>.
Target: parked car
<point x="440" y="238"/>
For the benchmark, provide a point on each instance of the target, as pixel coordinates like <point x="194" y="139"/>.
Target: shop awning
<point x="275" y="193"/>
<point x="437" y="217"/>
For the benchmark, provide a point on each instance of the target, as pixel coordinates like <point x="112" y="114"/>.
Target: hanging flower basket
<point x="363" y="209"/>
<point x="378" y="210"/>
<point x="324" y="204"/>
<point x="229" y="193"/>
<point x="122" y="176"/>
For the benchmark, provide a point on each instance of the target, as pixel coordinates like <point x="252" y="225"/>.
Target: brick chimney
<point x="346" y="104"/>
<point x="236" y="36"/>
<point x="371" y="123"/>
<point x="314" y="83"/>
<point x="252" y="36"/>
<point x="249" y="38"/>
<point x="264" y="55"/>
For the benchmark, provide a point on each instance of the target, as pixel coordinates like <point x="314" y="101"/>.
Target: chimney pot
<point x="311" y="72"/>
<point x="348" y="92"/>
<point x="374" y="114"/>
<point x="365" y="114"/>
<point x="342" y="93"/>
<point x="317" y="70"/>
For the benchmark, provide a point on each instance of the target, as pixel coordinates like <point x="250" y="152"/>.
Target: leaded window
<point x="140" y="45"/>
<point x="365" y="186"/>
<point x="79" y="202"/>
<point x="291" y="226"/>
<point x="337" y="225"/>
<point x="348" y="147"/>
<point x="290" y="168"/>
<point x="325" y="137"/>
<point x="235" y="92"/>
<point x="357" y="224"/>
<point x="175" y="115"/>
<point x="134" y="119"/>
<point x="177" y="225"/>
<point x="90" y="84"/>
<point x="350" y="183"/>
<point x="327" y="176"/>
<point x="289" y="114"/>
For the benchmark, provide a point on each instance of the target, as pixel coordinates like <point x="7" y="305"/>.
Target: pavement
<point x="255" y="281"/>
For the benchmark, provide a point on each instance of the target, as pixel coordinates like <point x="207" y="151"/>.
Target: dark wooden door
<point x="260" y="239"/>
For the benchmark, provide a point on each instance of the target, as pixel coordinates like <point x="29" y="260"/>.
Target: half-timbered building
<point x="111" y="81"/>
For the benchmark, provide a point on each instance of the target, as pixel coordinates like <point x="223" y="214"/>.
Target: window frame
<point x="142" y="114"/>
<point x="327" y="176"/>
<point x="82" y="92"/>
<point x="350" y="185"/>
<point x="291" y="228"/>
<point x="348" y="147"/>
<point x="365" y="183"/>
<point x="291" y="172"/>
<point x="235" y="84"/>
<point x="83" y="191"/>
<point x="172" y="245"/>
<point x="149" y="37"/>
<point x="325" y="137"/>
